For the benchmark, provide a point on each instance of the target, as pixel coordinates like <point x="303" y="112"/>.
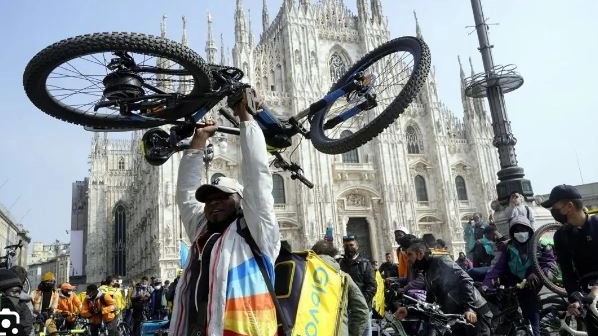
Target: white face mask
<point x="158" y="286"/>
<point x="521" y="237"/>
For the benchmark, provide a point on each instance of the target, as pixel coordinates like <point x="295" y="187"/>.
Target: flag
<point x="184" y="253"/>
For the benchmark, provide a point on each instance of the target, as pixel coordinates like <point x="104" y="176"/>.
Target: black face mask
<point x="558" y="216"/>
<point x="67" y="294"/>
<point x="350" y="251"/>
<point x="47" y="286"/>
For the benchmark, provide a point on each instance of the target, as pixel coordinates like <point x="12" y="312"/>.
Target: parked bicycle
<point x="105" y="82"/>
<point x="7" y="261"/>
<point x="433" y="320"/>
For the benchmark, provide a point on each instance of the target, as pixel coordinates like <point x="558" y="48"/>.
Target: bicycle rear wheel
<point x="69" y="78"/>
<point x="399" y="68"/>
<point x="542" y="239"/>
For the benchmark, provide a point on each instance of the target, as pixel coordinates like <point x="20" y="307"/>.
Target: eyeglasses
<point x="349" y="238"/>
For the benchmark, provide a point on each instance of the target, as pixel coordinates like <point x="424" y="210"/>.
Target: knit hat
<point x="48" y="276"/>
<point x="9" y="279"/>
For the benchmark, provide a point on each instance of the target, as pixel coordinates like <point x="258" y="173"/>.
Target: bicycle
<point x="435" y="322"/>
<point x="122" y="94"/>
<point x="507" y="318"/>
<point x="7" y="261"/>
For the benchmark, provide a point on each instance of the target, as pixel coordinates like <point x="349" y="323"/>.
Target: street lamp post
<point x="493" y="83"/>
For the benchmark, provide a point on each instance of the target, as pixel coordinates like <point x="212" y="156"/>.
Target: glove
<point x="533" y="281"/>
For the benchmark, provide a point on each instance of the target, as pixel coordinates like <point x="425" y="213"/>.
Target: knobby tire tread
<point x="42" y="64"/>
<point x="421" y="68"/>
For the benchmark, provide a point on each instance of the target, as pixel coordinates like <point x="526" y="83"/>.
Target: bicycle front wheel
<point x="395" y="71"/>
<point x="542" y="240"/>
<point x="116" y="80"/>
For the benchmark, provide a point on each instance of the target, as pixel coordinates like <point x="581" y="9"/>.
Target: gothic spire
<point x="163" y="26"/>
<point x="462" y="73"/>
<point x="249" y="30"/>
<point x="240" y="25"/>
<point x="376" y="11"/>
<point x="265" y="17"/>
<point x="471" y="67"/>
<point x="184" y="39"/>
<point x="418" y="30"/>
<point x="222" y="60"/>
<point x="362" y="11"/>
<point x="210" y="44"/>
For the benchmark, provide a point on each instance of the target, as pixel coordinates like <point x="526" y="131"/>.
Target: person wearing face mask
<point x="140" y="300"/>
<point x="515" y="265"/>
<point x="10" y="298"/>
<point x="98" y="307"/>
<point x="158" y="301"/>
<point x="45" y="298"/>
<point x="451" y="288"/>
<point x="222" y="290"/>
<point x="361" y="271"/>
<point x="576" y="248"/>
<point x="69" y="304"/>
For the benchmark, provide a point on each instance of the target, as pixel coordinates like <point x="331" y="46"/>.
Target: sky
<point x="553" y="115"/>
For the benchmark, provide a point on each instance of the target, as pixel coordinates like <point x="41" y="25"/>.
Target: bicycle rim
<point x="543" y="239"/>
<point x="69" y="78"/>
<point x="398" y="69"/>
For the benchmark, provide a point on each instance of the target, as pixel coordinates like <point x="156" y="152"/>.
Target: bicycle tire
<point x="421" y="67"/>
<point x="534" y="247"/>
<point x="43" y="63"/>
<point x="27" y="286"/>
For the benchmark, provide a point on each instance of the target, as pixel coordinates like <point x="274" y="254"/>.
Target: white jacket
<point x="239" y="302"/>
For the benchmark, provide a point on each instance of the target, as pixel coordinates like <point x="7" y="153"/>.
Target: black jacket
<point x="576" y="254"/>
<point x="389" y="269"/>
<point x="362" y="273"/>
<point x="451" y="287"/>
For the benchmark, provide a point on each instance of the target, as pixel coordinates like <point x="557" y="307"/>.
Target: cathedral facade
<point x="428" y="172"/>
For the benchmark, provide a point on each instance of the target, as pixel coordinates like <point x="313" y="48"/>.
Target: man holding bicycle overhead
<point x="576" y="248"/>
<point x="222" y="290"/>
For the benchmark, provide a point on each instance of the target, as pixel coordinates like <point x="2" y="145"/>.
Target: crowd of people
<point x="226" y="287"/>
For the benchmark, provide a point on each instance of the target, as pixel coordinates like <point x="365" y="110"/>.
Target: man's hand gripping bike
<point x="128" y="81"/>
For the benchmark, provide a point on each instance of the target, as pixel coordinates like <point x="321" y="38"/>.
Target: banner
<point x="184" y="253"/>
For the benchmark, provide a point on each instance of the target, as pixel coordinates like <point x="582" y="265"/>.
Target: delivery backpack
<point x="308" y="293"/>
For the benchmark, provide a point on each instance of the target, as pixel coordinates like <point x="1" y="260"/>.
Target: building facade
<point x="429" y="171"/>
<point x="10" y="234"/>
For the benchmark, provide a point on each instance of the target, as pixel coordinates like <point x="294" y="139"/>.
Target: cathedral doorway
<point x="360" y="228"/>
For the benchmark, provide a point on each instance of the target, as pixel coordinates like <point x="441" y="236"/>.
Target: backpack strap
<point x="243" y="230"/>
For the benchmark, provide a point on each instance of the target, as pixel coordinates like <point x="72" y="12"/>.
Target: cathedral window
<point x="121" y="163"/>
<point x="272" y="81"/>
<point x="461" y="188"/>
<point x="415" y="143"/>
<point x="351" y="156"/>
<point x="421" y="193"/>
<point x="216" y="176"/>
<point x="120" y="241"/>
<point x="278" y="189"/>
<point x="337" y="67"/>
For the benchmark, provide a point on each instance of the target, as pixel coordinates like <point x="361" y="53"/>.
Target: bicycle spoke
<point x="79" y="82"/>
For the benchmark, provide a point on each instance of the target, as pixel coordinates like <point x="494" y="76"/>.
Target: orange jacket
<point x="104" y="303"/>
<point x="70" y="304"/>
<point x="403" y="265"/>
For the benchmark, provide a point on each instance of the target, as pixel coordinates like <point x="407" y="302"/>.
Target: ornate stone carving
<point x="356" y="200"/>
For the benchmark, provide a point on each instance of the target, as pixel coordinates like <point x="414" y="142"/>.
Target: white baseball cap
<point x="224" y="184"/>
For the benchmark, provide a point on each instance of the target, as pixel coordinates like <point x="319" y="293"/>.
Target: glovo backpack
<point x="311" y="294"/>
